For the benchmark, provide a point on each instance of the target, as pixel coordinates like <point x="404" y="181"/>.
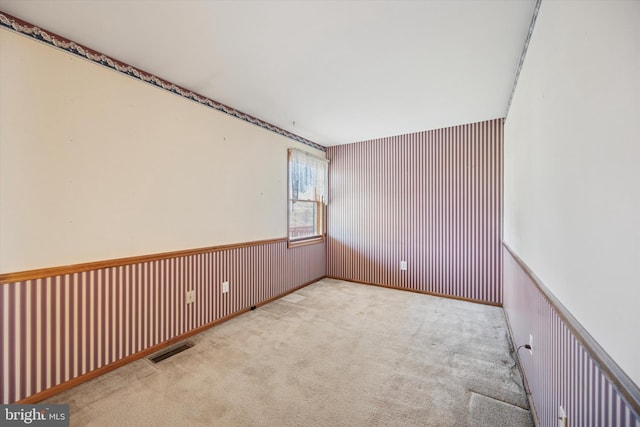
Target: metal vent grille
<point x="159" y="357"/>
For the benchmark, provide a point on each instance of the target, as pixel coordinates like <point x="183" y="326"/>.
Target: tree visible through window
<point x="308" y="183"/>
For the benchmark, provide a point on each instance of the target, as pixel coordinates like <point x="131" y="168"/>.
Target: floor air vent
<point x="159" y="357"/>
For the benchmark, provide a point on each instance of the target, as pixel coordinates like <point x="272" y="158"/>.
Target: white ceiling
<point x="343" y="71"/>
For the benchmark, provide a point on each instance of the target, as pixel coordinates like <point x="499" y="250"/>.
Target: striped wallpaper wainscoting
<point x="567" y="367"/>
<point x="433" y="199"/>
<point x="60" y="327"/>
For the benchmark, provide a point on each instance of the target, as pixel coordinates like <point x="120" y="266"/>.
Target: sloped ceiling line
<point x="523" y="55"/>
<point x="22" y="27"/>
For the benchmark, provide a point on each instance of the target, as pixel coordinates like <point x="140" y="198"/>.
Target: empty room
<point x="320" y="213"/>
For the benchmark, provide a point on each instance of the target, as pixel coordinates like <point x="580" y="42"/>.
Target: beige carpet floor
<point x="331" y="354"/>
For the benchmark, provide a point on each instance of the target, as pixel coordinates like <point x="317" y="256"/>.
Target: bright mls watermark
<point x="34" y="415"/>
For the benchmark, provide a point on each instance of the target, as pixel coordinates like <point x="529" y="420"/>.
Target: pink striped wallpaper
<point x="561" y="370"/>
<point x="433" y="199"/>
<point x="54" y="329"/>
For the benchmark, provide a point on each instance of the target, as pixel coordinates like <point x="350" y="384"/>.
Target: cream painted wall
<point x="96" y="165"/>
<point x="572" y="167"/>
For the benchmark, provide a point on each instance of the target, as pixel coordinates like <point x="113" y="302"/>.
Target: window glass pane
<point x="303" y="181"/>
<point x="302" y="219"/>
<point x="308" y="183"/>
<point x="307" y="176"/>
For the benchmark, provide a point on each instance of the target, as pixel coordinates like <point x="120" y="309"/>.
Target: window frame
<point x="320" y="208"/>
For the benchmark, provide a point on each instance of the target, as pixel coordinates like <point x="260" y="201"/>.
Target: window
<point x="308" y="184"/>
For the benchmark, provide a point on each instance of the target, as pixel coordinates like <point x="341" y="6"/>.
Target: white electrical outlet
<point x="225" y="287"/>
<point x="562" y="417"/>
<point x="190" y="297"/>
<point x="403" y="265"/>
<point x="531" y="344"/>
